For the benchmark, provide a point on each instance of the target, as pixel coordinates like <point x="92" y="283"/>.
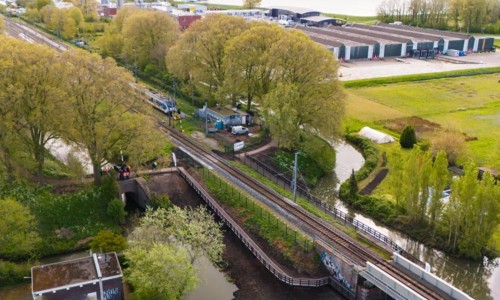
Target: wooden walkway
<point x="247" y="240"/>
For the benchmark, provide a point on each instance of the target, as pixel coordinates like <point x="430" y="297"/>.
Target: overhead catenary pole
<point x="294" y="181"/>
<point x="206" y="118"/>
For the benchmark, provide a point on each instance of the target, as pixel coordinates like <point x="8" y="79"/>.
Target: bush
<point x="116" y="211"/>
<point x="108" y="241"/>
<point x="408" y="138"/>
<point x="11" y="273"/>
<point x="369" y="151"/>
<point x="160" y="201"/>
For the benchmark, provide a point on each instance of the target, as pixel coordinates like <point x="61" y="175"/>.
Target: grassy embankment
<point x="468" y="104"/>
<point x="311" y="208"/>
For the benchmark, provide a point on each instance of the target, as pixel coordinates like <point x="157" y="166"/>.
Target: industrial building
<point x="359" y="41"/>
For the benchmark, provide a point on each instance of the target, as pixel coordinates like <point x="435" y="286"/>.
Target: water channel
<point x="481" y="280"/>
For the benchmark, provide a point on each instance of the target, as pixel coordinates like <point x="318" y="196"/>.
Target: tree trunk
<point x="97" y="175"/>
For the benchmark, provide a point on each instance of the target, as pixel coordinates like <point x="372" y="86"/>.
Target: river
<point x="481" y="280"/>
<point x="350" y="8"/>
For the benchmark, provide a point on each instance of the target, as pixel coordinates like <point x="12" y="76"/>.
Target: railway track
<point x="355" y="251"/>
<point x="351" y="248"/>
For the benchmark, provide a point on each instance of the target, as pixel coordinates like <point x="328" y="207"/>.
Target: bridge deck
<point x="247" y="240"/>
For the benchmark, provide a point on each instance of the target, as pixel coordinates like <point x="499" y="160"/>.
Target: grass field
<point x="468" y="104"/>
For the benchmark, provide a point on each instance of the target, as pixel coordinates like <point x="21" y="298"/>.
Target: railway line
<point x="349" y="247"/>
<point x="356" y="252"/>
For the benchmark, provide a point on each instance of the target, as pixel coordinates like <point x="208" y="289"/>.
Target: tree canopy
<point x="250" y="4"/>
<point x="32" y="95"/>
<point x="308" y="98"/>
<point x="200" y="51"/>
<point x="164" y="247"/>
<point x="18" y="236"/>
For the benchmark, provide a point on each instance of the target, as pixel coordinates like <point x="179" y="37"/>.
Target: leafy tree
<point x="148" y="35"/>
<point x="408" y="138"/>
<point x="439" y="179"/>
<point x="111" y="44"/>
<point x="116" y="211"/>
<point x="244" y="63"/>
<point x="18" y="236"/>
<point x="39" y="4"/>
<point x="308" y="98"/>
<point x="99" y="107"/>
<point x="34" y="97"/>
<point x="250" y="4"/>
<point x="353" y="186"/>
<point x="76" y="15"/>
<point x="199" y="53"/>
<point x="396" y="178"/>
<point x="161" y="271"/>
<point x="160" y="201"/>
<point x="193" y="229"/>
<point x="164" y="247"/>
<point x="108" y="241"/>
<point x="452" y="143"/>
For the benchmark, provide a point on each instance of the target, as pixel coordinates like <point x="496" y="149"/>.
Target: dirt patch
<point x="200" y="136"/>
<point x="370" y="187"/>
<point x="418" y="124"/>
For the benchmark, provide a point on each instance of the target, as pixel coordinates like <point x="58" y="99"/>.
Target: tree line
<point x="65" y="23"/>
<point x="227" y="59"/>
<point x="74" y="96"/>
<point x="460" y="15"/>
<point x="464" y="222"/>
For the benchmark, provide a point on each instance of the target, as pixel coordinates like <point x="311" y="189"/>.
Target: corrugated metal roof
<point x="418" y="37"/>
<point x="331" y="39"/>
<point x="363" y="35"/>
<point x="381" y="35"/>
<point x="294" y="9"/>
<point x="442" y="33"/>
<point x="341" y="36"/>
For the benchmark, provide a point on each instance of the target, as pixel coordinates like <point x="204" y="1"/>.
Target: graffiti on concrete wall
<point x="340" y="271"/>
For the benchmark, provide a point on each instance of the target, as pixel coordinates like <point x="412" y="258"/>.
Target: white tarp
<point x="376" y="136"/>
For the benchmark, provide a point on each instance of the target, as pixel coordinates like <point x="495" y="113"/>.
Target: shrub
<point x="453" y="143"/>
<point x="369" y="151"/>
<point x="108" y="241"/>
<point x="408" y="138"/>
<point x="116" y="211"/>
<point x="160" y="201"/>
<point x="11" y="273"/>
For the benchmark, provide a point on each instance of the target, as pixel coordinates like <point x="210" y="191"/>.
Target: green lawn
<point x="468" y="104"/>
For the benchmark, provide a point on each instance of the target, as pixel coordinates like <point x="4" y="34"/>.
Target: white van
<point x="239" y="130"/>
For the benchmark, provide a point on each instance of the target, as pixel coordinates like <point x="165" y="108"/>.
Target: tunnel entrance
<point x="131" y="203"/>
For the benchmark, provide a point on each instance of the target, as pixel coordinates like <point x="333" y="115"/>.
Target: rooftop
<point x="320" y="19"/>
<point x="73" y="272"/>
<point x="297" y="10"/>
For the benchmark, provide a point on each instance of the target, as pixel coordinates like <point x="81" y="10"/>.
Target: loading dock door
<point x="456" y="45"/>
<point x="441" y="45"/>
<point x="392" y="50"/>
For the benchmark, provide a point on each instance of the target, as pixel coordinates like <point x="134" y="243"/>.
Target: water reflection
<point x="213" y="283"/>
<point x="481" y="280"/>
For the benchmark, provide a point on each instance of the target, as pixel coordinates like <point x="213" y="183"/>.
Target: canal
<point x="479" y="279"/>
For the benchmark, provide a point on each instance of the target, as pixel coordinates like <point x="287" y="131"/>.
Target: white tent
<point x="376" y="136"/>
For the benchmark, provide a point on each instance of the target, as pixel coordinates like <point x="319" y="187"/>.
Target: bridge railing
<point x="279" y="179"/>
<point x="247" y="241"/>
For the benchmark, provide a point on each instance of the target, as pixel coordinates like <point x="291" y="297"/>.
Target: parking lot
<point x="362" y="69"/>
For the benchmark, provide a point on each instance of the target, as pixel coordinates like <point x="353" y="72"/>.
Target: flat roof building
<point x="94" y="277"/>
<point x="292" y="13"/>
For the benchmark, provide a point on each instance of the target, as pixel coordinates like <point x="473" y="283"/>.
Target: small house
<point x="96" y="277"/>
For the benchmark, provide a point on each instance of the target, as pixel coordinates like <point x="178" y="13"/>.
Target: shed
<point x="376" y="136"/>
<point x="94" y="277"/>
<point x="321" y="21"/>
<point x="227" y="116"/>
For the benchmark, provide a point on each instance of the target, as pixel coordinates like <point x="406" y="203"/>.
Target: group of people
<point x="123" y="172"/>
